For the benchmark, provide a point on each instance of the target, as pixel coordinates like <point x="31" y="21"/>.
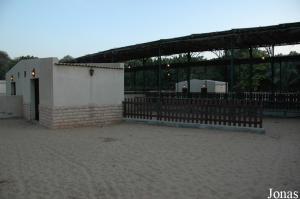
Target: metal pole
<point x="280" y="76"/>
<point x="159" y="72"/>
<point x="177" y="78"/>
<point x="231" y="69"/>
<point x="226" y="71"/>
<point x="134" y="80"/>
<point x="251" y="70"/>
<point x="144" y="80"/>
<point x="189" y="73"/>
<point x="272" y="69"/>
<point x="112" y="57"/>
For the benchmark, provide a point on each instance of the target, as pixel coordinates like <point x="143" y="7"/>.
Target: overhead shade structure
<point x="282" y="34"/>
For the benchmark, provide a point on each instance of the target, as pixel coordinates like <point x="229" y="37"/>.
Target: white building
<point x="196" y="85"/>
<point x="68" y="95"/>
<point x="2" y="87"/>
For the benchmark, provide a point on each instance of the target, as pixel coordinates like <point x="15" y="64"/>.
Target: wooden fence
<point x="202" y="111"/>
<point x="270" y="101"/>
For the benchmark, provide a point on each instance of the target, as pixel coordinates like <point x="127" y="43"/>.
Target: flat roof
<point x="282" y="34"/>
<point x="89" y="65"/>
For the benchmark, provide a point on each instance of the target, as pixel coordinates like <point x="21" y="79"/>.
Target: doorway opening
<point x="36" y="98"/>
<point x="13" y="88"/>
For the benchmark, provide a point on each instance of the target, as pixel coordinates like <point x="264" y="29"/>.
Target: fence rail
<point x="202" y="111"/>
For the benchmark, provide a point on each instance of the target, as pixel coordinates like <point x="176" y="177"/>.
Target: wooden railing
<point x="200" y="111"/>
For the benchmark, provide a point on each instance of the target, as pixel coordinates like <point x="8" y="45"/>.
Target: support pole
<point x="159" y="72"/>
<point x="280" y="76"/>
<point x="231" y="69"/>
<point x="144" y="78"/>
<point x="189" y="73"/>
<point x="272" y="69"/>
<point x="251" y="70"/>
<point x="134" y="81"/>
<point x="226" y="70"/>
<point x="177" y="79"/>
<point x="112" y="57"/>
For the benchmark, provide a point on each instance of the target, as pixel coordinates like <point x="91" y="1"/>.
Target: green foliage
<point x="66" y="59"/>
<point x="169" y="77"/>
<point x="260" y="80"/>
<point x="6" y="63"/>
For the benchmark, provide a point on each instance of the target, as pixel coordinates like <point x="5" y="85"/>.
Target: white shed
<point x="197" y="84"/>
<point x="68" y="95"/>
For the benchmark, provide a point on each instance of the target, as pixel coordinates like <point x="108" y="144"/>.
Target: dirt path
<point x="140" y="161"/>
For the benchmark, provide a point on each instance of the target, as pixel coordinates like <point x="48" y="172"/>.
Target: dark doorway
<point x="36" y="98"/>
<point x="13" y="88"/>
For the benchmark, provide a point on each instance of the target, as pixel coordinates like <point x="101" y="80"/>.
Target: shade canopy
<point x="282" y="34"/>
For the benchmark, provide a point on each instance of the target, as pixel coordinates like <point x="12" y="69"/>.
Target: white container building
<point x="196" y="85"/>
<point x="68" y="95"/>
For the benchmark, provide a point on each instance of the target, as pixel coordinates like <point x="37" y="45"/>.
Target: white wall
<point x="180" y="85"/>
<point x="221" y="88"/>
<point x="46" y="82"/>
<point x="210" y="85"/>
<point x="24" y="83"/>
<point x="73" y="85"/>
<point x="10" y="106"/>
<point x="61" y="85"/>
<point x="196" y="85"/>
<point x="43" y="70"/>
<point x="2" y="87"/>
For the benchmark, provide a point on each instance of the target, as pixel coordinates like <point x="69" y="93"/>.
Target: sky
<point x="55" y="28"/>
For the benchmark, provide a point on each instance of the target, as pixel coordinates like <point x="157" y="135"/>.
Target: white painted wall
<point x="43" y="70"/>
<point x="10" y="106"/>
<point x="221" y="87"/>
<point x="196" y="85"/>
<point x="73" y="85"/>
<point x="2" y="87"/>
<point x="61" y="85"/>
<point x="24" y="83"/>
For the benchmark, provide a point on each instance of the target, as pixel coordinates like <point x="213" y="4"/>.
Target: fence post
<point x="206" y="111"/>
<point x="124" y="108"/>
<point x="257" y="112"/>
<point x="260" y="113"/>
<point x="158" y="108"/>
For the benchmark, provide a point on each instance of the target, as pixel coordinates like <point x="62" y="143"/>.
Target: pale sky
<point x="55" y="28"/>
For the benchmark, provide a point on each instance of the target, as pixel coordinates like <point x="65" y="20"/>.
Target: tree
<point x="260" y="77"/>
<point x="293" y="53"/>
<point x="66" y="59"/>
<point x="4" y="62"/>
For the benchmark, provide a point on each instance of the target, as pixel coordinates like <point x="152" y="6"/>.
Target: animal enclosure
<point x="199" y="111"/>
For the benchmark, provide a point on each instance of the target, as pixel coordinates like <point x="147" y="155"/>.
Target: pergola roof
<point x="282" y="34"/>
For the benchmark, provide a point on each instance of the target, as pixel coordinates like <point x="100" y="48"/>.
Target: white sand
<point x="140" y="161"/>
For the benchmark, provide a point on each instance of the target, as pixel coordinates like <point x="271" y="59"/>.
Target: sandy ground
<point x="140" y="161"/>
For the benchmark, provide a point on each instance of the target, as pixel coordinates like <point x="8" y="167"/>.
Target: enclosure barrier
<point x="270" y="101"/>
<point x="239" y="113"/>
